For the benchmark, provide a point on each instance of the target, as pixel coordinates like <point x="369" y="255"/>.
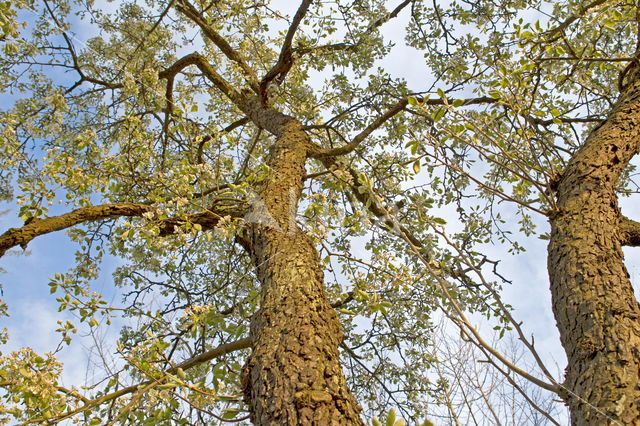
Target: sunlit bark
<point x="595" y="308"/>
<point x="293" y="375"/>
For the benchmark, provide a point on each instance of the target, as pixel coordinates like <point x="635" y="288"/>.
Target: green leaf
<point x="438" y="113"/>
<point x="180" y="373"/>
<point x="170" y="385"/>
<point x="526" y="34"/>
<point x="230" y="414"/>
<point x="416" y="166"/>
<point x="391" y="418"/>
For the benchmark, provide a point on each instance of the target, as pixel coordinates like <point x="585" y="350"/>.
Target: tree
<point x="190" y="141"/>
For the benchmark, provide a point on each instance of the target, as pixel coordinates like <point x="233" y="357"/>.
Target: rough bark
<point x="630" y="230"/>
<point x="293" y="376"/>
<point x="593" y="301"/>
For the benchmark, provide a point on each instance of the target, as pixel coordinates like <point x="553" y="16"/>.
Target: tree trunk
<point x="293" y="376"/>
<point x="593" y="301"/>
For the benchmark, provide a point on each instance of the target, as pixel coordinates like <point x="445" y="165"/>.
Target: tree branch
<point x="285" y="60"/>
<point x="552" y="34"/>
<point x="209" y="72"/>
<point x="513" y="383"/>
<point x="267" y="118"/>
<point x="465" y="102"/>
<point x="207" y="218"/>
<point x="22" y="236"/>
<point x="192" y="13"/>
<point x="74" y="57"/>
<point x="395" y="12"/>
<point x="216" y="352"/>
<point x="370" y="202"/>
<point x="13" y="237"/>
<point x="401" y="105"/>
<point x="229" y="128"/>
<point x="168" y="112"/>
<point x="352" y="46"/>
<point x="345" y="149"/>
<point x="460" y="319"/>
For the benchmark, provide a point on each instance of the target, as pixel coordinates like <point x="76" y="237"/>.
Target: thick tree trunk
<point x="293" y="376"/>
<point x="595" y="308"/>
